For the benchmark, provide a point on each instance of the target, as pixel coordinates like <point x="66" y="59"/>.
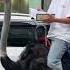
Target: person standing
<point x="59" y="31"/>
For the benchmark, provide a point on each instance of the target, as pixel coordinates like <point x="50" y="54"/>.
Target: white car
<point x="16" y="17"/>
<point x="22" y="29"/>
<point x="17" y="23"/>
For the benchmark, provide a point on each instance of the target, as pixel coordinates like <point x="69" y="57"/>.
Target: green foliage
<point x="20" y="6"/>
<point x="1" y="7"/>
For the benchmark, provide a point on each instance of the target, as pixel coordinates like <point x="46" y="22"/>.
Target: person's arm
<point x="62" y="20"/>
<point x="51" y="18"/>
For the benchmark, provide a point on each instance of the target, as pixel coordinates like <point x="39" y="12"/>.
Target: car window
<point x="20" y="33"/>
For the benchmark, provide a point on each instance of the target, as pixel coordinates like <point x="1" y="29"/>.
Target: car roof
<point x="16" y="17"/>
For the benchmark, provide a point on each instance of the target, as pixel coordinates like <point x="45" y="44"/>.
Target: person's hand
<point x="48" y="18"/>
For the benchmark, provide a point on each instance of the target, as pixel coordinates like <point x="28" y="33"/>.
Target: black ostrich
<point x="33" y="58"/>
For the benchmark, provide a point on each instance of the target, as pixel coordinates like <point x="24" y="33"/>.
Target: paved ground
<point x="13" y="53"/>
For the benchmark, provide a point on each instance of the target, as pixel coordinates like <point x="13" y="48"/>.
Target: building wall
<point x="34" y="3"/>
<point x="37" y="3"/>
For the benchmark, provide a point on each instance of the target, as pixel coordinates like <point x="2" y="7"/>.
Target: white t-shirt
<point x="61" y="9"/>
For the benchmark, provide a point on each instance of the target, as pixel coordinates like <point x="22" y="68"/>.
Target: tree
<point x="5" y="27"/>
